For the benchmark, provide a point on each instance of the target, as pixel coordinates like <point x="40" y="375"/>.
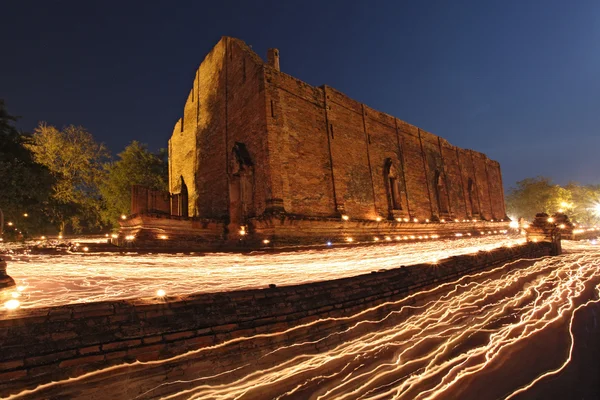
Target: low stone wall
<point x="152" y="230"/>
<point x="49" y="344"/>
<point x="290" y="229"/>
<point x="158" y="231"/>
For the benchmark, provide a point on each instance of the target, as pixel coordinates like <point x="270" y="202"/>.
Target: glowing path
<point x="496" y="335"/>
<point x="50" y="280"/>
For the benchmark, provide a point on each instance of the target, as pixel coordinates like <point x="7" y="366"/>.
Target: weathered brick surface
<point x="314" y="153"/>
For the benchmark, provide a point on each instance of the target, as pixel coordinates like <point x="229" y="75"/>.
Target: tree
<point x="584" y="207"/>
<point x="25" y="186"/>
<point x="135" y="166"/>
<point x="535" y="195"/>
<point x="75" y="160"/>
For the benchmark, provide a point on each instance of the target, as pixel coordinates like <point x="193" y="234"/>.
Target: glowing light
<point x="560" y="210"/>
<point x="442" y="220"/>
<point x="15" y="295"/>
<point x="64" y="279"/>
<point x="406" y="219"/>
<point x="20" y="288"/>
<point x="345" y="217"/>
<point x="562" y="226"/>
<point x="129" y="237"/>
<point x="513" y="225"/>
<point x="43" y="238"/>
<point x="427" y="221"/>
<point x="242" y="232"/>
<point x="86" y="249"/>
<point x="328" y="243"/>
<point x="526" y="225"/>
<point x="26" y="215"/>
<point x="349" y="239"/>
<point x="266" y="241"/>
<point x="415" y="220"/>
<point x="9" y="223"/>
<point x="388" y="238"/>
<point x="12" y="304"/>
<point x="60" y="236"/>
<point x="161" y="293"/>
<point x="114" y="236"/>
<point x="378" y="219"/>
<point x="458" y="234"/>
<point x="163" y="237"/>
<point x="456" y="220"/>
<point x="550" y="219"/>
<point x="376" y="239"/>
<point x="123" y="216"/>
<point x="399" y="219"/>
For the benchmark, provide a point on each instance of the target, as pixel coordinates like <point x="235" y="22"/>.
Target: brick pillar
<point x="544" y="229"/>
<point x="273" y="58"/>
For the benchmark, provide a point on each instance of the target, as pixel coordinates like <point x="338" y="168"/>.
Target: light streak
<point x="89" y="277"/>
<point x="399" y="350"/>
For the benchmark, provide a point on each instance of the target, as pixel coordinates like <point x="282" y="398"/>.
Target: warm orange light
<point x="345" y="217"/>
<point x="12" y="304"/>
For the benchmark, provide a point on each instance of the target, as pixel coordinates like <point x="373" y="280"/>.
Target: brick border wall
<point x="49" y="344"/>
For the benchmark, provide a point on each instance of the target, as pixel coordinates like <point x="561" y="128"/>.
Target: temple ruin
<point x="260" y="157"/>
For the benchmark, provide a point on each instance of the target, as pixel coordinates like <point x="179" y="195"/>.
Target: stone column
<point x="544" y="229"/>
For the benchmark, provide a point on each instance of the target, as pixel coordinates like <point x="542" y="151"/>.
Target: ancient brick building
<point x="259" y="154"/>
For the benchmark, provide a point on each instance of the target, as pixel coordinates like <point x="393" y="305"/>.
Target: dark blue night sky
<point x="517" y="80"/>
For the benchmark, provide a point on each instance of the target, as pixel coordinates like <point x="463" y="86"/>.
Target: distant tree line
<point x="534" y="195"/>
<point x="62" y="180"/>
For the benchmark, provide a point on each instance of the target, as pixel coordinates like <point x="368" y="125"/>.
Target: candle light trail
<point x="52" y="280"/>
<point x="415" y="351"/>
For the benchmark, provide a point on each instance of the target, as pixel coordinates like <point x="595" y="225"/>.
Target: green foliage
<point x="75" y="160"/>
<point x="25" y="186"/>
<point x="135" y="166"/>
<point x="534" y="195"/>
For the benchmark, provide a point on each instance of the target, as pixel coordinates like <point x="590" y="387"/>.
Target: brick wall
<point x="315" y="151"/>
<point x="41" y="345"/>
<point x="148" y="200"/>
